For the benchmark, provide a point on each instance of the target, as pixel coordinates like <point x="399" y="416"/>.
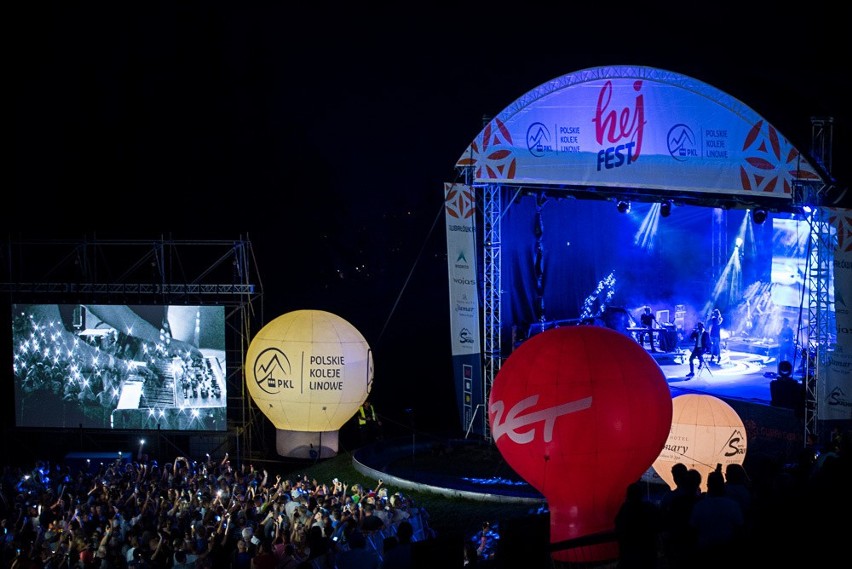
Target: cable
<point x="408" y="278"/>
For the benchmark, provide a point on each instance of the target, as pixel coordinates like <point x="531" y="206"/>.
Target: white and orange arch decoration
<point x="636" y="127"/>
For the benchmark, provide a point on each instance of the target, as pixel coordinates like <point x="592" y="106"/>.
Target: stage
<point x="740" y="375"/>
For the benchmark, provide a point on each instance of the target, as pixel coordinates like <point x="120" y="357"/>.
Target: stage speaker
<point x="680" y="316"/>
<point x="787" y="393"/>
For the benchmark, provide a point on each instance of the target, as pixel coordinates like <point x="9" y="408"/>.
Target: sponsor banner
<point x="636" y="127"/>
<point x="459" y="209"/>
<point x="836" y="391"/>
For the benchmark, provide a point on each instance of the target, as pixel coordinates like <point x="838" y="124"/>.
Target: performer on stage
<point x="702" y="345"/>
<point x="716" y="336"/>
<point x="786" y="343"/>
<point x="649" y="322"/>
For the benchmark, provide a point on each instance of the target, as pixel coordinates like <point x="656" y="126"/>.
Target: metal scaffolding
<point x="492" y="288"/>
<point x="156" y="271"/>
<point x="819" y="275"/>
<point x="816" y="358"/>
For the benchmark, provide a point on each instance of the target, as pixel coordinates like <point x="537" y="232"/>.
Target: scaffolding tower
<point x="816" y="357"/>
<point x="152" y="271"/>
<point x="492" y="337"/>
<point x="819" y="275"/>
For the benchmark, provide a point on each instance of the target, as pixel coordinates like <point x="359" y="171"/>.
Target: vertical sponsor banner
<point x="836" y="392"/>
<point x="459" y="208"/>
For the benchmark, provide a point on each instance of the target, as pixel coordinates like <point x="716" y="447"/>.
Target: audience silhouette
<point x="637" y="526"/>
<point x="213" y="516"/>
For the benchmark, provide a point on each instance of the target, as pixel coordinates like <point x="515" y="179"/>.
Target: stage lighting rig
<point x="623" y="206"/>
<point x="666" y="208"/>
<point x="759" y="216"/>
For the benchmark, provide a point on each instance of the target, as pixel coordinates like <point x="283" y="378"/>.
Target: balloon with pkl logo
<point x="705" y="432"/>
<point x="580" y="412"/>
<point x="308" y="371"/>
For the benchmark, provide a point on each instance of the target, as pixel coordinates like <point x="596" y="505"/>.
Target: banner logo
<point x="681" y="142"/>
<point x="733" y="446"/>
<point x="838" y="397"/>
<point x="623" y="129"/>
<point x="515" y="420"/>
<point x="465" y="337"/>
<point x="272" y="371"/>
<point x="538" y="140"/>
<point x="459" y="203"/>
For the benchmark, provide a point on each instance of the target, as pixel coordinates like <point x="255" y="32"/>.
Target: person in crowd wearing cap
<point x="264" y="558"/>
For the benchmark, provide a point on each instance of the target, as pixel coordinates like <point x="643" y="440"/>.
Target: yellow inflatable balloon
<point x="705" y="432"/>
<point x="308" y="371"/>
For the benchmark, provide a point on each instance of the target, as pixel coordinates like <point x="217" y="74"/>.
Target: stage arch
<point x="581" y="200"/>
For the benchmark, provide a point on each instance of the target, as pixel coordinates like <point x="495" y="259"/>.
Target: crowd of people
<point x="202" y="515"/>
<point x="210" y="515"/>
<point x="735" y="518"/>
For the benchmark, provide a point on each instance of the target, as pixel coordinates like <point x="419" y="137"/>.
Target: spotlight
<point x="759" y="216"/>
<point x="623" y="206"/>
<point x="666" y="208"/>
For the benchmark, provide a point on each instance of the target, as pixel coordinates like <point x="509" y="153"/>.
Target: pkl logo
<point x="622" y="129"/>
<point x="681" y="142"/>
<point x="272" y="371"/>
<point x="538" y="139"/>
<point x="514" y="420"/>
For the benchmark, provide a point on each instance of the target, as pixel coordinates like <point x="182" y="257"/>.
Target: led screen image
<point x="119" y="366"/>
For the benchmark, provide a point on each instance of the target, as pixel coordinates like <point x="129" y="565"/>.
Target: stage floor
<point x="740" y="375"/>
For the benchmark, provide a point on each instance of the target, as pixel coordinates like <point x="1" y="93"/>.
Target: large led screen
<point x="119" y="366"/>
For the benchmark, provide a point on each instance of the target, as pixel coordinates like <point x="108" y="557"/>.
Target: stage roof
<point x="641" y="133"/>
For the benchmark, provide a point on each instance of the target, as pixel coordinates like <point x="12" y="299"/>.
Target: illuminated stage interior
<point x="740" y="375"/>
<point x="585" y="261"/>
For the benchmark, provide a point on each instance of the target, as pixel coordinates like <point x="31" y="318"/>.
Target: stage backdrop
<point x="606" y="130"/>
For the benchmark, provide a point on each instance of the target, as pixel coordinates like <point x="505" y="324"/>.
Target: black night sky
<point x="324" y="133"/>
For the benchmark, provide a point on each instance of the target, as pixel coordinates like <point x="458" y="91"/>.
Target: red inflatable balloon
<point x="580" y="412"/>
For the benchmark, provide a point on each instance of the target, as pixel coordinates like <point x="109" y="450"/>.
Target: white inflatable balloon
<point x="705" y="432"/>
<point x="309" y="371"/>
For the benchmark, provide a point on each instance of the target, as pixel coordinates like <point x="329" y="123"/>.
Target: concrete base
<point x="303" y="444"/>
